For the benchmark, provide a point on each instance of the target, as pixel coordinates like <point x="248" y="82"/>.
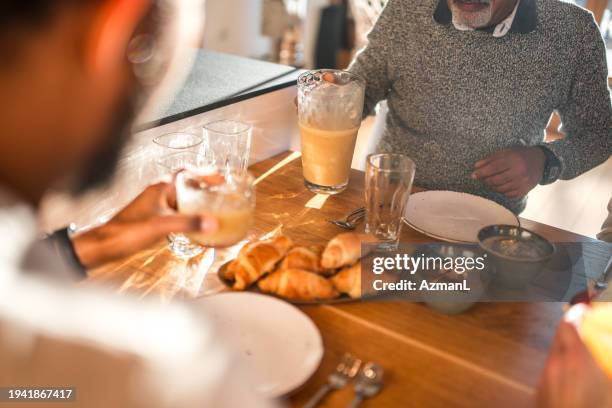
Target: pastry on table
<point x="344" y="250"/>
<point x="256" y="259"/>
<point x="348" y="281"/>
<point x="307" y="258"/>
<point x="298" y="284"/>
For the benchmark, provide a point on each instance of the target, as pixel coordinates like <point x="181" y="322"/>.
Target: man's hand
<point x="512" y="172"/>
<point x="572" y="378"/>
<point x="146" y="220"/>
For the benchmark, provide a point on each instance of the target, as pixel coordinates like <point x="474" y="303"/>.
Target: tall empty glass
<point x="227" y="145"/>
<point x="330" y="107"/>
<point x="388" y="182"/>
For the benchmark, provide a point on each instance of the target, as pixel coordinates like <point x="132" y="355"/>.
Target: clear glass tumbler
<point x="388" y="183"/>
<point x="167" y="167"/>
<point x="178" y="142"/>
<point x="330" y="108"/>
<point x="227" y="145"/>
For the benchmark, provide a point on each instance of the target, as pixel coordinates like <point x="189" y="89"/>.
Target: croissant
<point x="256" y="259"/>
<point x="348" y="281"/>
<point x="305" y="258"/>
<point x="297" y="284"/>
<point x="343" y="250"/>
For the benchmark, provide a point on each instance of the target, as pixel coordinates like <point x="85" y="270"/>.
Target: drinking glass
<point x="178" y="142"/>
<point x="227" y="144"/>
<point x="167" y="166"/>
<point x="594" y="322"/>
<point x="229" y="196"/>
<point x="388" y="181"/>
<point x="330" y="107"/>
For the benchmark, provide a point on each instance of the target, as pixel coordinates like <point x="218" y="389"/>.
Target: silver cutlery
<point x="351" y="221"/>
<point x="345" y="371"/>
<point x="602" y="282"/>
<point x="369" y="382"/>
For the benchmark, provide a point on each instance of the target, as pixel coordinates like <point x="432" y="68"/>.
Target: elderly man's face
<point x="480" y="13"/>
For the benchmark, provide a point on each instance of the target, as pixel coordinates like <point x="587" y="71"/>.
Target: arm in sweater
<point x="371" y="61"/>
<point x="586" y="113"/>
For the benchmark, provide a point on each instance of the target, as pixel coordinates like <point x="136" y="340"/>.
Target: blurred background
<point x="314" y="33"/>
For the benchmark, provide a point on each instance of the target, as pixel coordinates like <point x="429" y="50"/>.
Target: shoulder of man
<point x="402" y="17"/>
<point x="403" y="8"/>
<point x="565" y="17"/>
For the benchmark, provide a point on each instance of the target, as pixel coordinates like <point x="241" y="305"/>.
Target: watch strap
<point x="552" y="166"/>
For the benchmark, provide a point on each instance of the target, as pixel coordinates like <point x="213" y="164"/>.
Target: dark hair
<point x="25" y="12"/>
<point x="26" y="16"/>
<point x="30" y="13"/>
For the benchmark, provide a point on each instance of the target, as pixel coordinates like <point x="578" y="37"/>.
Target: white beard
<point x="471" y="20"/>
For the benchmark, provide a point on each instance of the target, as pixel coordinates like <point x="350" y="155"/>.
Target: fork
<point x="350" y="221"/>
<point x="345" y="371"/>
<point x="369" y="382"/>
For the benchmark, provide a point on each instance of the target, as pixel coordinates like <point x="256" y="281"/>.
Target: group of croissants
<point x="304" y="273"/>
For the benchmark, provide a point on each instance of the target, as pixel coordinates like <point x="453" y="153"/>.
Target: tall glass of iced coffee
<point x="330" y="107"/>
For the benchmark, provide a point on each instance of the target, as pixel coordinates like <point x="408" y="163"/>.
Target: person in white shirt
<point x="73" y="73"/>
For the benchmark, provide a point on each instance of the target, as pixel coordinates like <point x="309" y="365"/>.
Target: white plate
<point x="274" y="340"/>
<point x="454" y="217"/>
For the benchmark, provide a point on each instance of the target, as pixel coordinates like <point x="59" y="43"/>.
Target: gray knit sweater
<point x="456" y="97"/>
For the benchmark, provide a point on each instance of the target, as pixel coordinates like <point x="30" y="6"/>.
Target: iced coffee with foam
<point x="330" y="107"/>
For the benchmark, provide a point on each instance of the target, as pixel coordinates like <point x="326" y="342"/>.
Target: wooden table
<point x="491" y="355"/>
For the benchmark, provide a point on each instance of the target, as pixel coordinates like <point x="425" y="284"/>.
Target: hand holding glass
<point x="229" y="197"/>
<point x="167" y="166"/>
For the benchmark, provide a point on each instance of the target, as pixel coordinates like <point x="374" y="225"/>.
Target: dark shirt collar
<point x="524" y="22"/>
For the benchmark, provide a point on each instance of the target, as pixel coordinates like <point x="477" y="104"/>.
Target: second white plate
<point x="273" y="339"/>
<point x="455" y="217"/>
